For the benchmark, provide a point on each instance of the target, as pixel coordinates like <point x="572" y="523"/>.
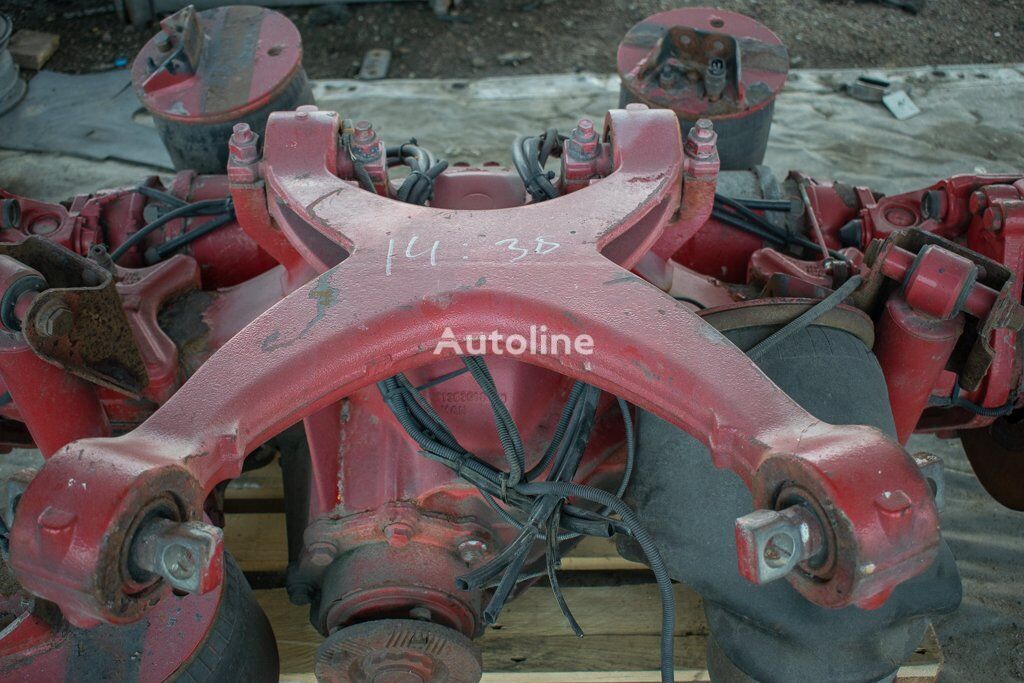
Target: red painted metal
<point x="939" y="283"/>
<point x="913" y="349"/>
<point x="320" y="288"/>
<point x="388" y="291"/>
<point x="56" y="406"/>
<point x="227" y="256"/>
<point x="39" y="645"/>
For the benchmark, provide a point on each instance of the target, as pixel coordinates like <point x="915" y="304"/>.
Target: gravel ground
<point x="553" y="37"/>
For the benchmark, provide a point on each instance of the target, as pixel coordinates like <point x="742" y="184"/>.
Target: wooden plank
<point x="624" y="610"/>
<point x="31" y="49"/>
<point x="257" y="541"/>
<point x="681" y="676"/>
<point x="531" y="634"/>
<point x="595" y="554"/>
<point x="532" y="643"/>
<point x="261" y="484"/>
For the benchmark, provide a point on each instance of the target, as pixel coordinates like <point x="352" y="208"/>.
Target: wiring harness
<point x="418" y="187"/>
<point x="223" y="209"/>
<point x="540" y="495"/>
<point x="529" y="156"/>
<point x="740" y="214"/>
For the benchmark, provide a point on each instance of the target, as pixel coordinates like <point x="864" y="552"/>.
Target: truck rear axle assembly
<point x="637" y="331"/>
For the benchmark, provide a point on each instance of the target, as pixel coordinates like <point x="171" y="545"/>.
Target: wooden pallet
<point x="616" y="604"/>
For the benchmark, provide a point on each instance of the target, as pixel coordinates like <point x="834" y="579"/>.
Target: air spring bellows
<point x="206" y="71"/>
<point x="708" y="63"/>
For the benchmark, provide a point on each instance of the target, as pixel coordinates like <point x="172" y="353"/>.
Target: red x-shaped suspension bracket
<point x="394" y="278"/>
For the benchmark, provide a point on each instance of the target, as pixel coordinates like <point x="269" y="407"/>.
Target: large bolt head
<point x="163" y="42"/>
<point x="770" y="543"/>
<point x="241" y="134"/>
<point x="188" y="555"/>
<point x="398" y="534"/>
<point x="701" y="140"/>
<point x="321" y="554"/>
<point x="472" y="550"/>
<point x="54" y="321"/>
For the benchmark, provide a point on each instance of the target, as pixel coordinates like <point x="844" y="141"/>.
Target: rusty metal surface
<point x="248" y="55"/>
<point x="372" y="283"/>
<point x="663" y="61"/>
<point x="398" y="650"/>
<point x="97" y="344"/>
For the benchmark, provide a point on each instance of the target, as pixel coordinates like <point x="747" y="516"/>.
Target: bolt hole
<point x="275" y="51"/>
<point x="44" y="225"/>
<point x="717" y="23"/>
<point x="778" y="550"/>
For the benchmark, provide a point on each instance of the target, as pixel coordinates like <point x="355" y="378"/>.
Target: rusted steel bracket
<point x="78" y="322"/>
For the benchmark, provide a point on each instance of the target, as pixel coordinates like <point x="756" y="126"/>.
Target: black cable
<point x="508" y="432"/>
<point x="564" y="467"/>
<point x="552" y="563"/>
<point x="774" y="205"/>
<point x="160" y="196"/>
<point x="535" y="527"/>
<point x="418" y="187"/>
<point x="545" y="512"/>
<point x="689" y="300"/>
<point x="529" y="155"/>
<point x="559" y="433"/>
<point x="758" y="221"/>
<point x="627" y="419"/>
<point x="161" y="251"/>
<point x="443" y="378"/>
<point x="740" y="224"/>
<point x="646" y="542"/>
<point x="205" y="207"/>
<point x="363" y="176"/>
<point x="956" y="401"/>
<point x="757" y="351"/>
